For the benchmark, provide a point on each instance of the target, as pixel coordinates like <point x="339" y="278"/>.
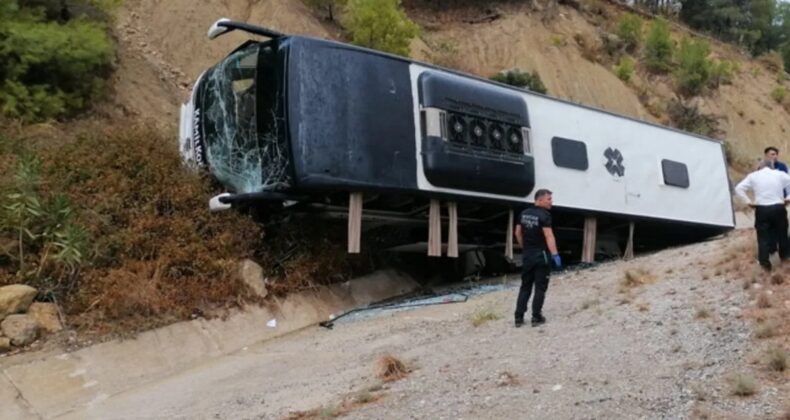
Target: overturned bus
<point x="294" y="123"/>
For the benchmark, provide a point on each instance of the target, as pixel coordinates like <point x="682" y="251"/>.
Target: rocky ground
<point x="663" y="344"/>
<point x="22" y="321"/>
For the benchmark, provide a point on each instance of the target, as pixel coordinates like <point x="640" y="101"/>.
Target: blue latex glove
<point x="557" y="261"/>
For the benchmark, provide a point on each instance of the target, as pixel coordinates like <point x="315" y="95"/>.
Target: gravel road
<point x="659" y="350"/>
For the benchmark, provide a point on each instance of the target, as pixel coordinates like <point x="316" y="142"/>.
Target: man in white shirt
<point x="770" y="215"/>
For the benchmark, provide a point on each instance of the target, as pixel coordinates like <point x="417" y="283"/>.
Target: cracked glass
<point x="243" y="156"/>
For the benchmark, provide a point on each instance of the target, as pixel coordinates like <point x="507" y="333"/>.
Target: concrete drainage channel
<point x="59" y="384"/>
<point x="53" y="384"/>
<point x="56" y="384"/>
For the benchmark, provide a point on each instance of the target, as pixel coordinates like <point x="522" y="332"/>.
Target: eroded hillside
<point x="163" y="48"/>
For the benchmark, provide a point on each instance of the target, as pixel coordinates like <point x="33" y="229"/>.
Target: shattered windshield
<point x="240" y="155"/>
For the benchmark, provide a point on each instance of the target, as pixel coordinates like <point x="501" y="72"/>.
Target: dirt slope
<point x="163" y="48"/>
<point x="644" y="353"/>
<point x="170" y="37"/>
<point x="521" y="40"/>
<point x="749" y="118"/>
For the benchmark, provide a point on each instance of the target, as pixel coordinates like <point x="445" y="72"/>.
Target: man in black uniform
<point x="539" y="250"/>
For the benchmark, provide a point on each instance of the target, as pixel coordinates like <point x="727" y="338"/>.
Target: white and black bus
<point x="300" y="122"/>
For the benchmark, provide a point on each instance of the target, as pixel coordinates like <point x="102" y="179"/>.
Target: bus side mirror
<point x="217" y="203"/>
<point x="218" y="28"/>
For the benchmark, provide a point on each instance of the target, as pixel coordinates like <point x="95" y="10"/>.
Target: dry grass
<point x="483" y="315"/>
<point x="326" y="412"/>
<point x="776" y="359"/>
<point x="389" y="368"/>
<point x="348" y="404"/>
<point x="768" y="313"/>
<point x="636" y="277"/>
<point x="702" y="313"/>
<point x="738" y="257"/>
<point x="700" y="413"/>
<point x="699" y="392"/>
<point x="590" y="47"/>
<point x="765" y="330"/>
<point x="777" y="279"/>
<point x="587" y="304"/>
<point x="375" y="388"/>
<point x="764" y="301"/>
<point x="330" y="412"/>
<point x="157" y="254"/>
<point x="365" y="397"/>
<point x="772" y="61"/>
<point x="507" y="379"/>
<point x="445" y="53"/>
<point x="742" y="385"/>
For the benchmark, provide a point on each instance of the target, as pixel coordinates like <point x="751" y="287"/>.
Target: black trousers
<point x="536" y="273"/>
<point x="771" y="225"/>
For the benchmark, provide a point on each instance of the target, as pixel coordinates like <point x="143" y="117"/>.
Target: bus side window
<point x="569" y="153"/>
<point x="675" y="174"/>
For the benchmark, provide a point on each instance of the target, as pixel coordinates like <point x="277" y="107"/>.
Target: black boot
<point x="538" y="319"/>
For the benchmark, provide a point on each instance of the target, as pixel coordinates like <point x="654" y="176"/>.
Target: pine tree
<point x="659" y="47"/>
<point x="381" y="25"/>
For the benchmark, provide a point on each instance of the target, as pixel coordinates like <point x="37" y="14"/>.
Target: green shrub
<point x="445" y="53"/>
<point x="694" y="68"/>
<point x="688" y="117"/>
<point x="629" y="29"/>
<point x="49" y="69"/>
<point x="625" y="69"/>
<point x="381" y="25"/>
<point x="612" y="44"/>
<point x="722" y="73"/>
<point x="49" y="246"/>
<point x="558" y="41"/>
<point x="779" y="94"/>
<point x="521" y="79"/>
<point x="659" y="47"/>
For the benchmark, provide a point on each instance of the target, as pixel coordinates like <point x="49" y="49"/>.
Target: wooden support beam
<point x="509" y="239"/>
<point x="590" y="232"/>
<point x="452" y="230"/>
<point x="354" y="222"/>
<point x="435" y="229"/>
<point x="629" y="248"/>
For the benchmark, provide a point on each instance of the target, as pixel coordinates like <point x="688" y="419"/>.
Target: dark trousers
<point x="536" y="272"/>
<point x="771" y="225"/>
